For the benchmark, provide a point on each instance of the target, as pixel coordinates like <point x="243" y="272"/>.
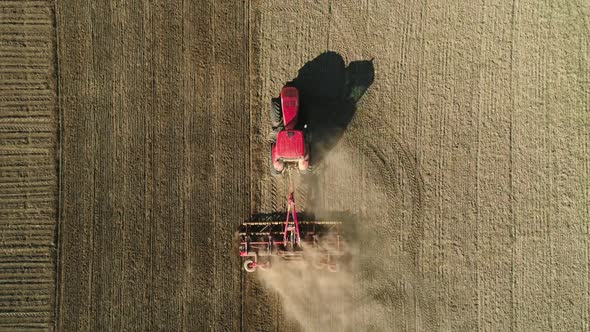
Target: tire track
<point x="273" y="193"/>
<point x="392" y="165"/>
<point x="302" y="188"/>
<point x="392" y="182"/>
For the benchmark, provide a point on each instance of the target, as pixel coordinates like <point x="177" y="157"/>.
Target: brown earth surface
<point x="134" y="140"/>
<point x="28" y="166"/>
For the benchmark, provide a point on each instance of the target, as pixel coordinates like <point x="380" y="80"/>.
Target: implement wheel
<point x="249" y="266"/>
<point x="333" y="267"/>
<point x="317" y="262"/>
<point x="264" y="267"/>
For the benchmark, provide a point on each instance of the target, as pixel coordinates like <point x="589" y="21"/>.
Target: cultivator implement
<point x="317" y="242"/>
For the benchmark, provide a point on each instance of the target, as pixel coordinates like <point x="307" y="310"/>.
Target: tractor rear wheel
<point x="303" y="168"/>
<point x="273" y="170"/>
<point x="276" y="115"/>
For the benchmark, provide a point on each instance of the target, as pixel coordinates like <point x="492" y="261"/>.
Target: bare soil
<point x="459" y="157"/>
<point x="28" y="166"/>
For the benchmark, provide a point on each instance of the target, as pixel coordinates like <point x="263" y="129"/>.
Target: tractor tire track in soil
<point x="443" y="136"/>
<point x="465" y="165"/>
<point x="401" y="177"/>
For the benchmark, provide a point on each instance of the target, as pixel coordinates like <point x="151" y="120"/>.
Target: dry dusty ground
<point x="464" y="170"/>
<point x="28" y="165"/>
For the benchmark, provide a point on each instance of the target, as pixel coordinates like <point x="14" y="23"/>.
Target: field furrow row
<point x="28" y="166"/>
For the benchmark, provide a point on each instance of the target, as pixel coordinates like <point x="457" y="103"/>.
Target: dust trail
<point x="320" y="300"/>
<point x="380" y="288"/>
<point x="359" y="296"/>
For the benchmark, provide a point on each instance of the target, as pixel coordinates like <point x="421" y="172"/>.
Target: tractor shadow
<point x="329" y="92"/>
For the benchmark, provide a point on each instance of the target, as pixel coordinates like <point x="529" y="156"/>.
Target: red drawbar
<point x="290" y="144"/>
<point x="290" y="105"/>
<point x="291" y="209"/>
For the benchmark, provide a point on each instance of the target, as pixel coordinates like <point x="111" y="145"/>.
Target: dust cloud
<point x="320" y="300"/>
<point x="379" y="288"/>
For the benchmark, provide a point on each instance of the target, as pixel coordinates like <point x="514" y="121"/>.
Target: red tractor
<point x="291" y="143"/>
<point x="261" y="241"/>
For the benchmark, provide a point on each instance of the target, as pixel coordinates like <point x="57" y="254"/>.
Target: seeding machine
<point x="317" y="242"/>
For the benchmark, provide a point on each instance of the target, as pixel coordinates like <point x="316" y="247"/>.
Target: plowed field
<point x="452" y="137"/>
